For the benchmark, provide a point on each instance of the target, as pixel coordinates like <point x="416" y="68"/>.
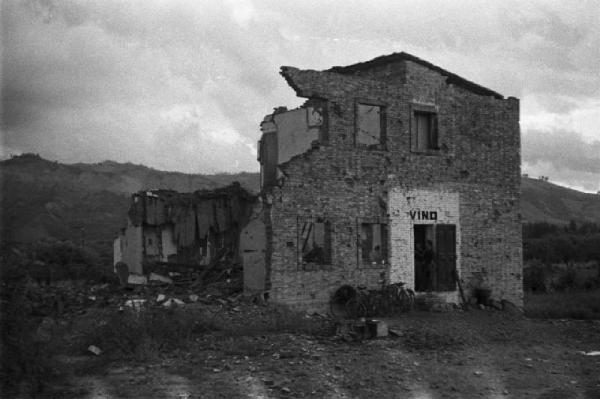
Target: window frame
<point x="361" y="264"/>
<point x="382" y="145"/>
<point x="433" y="111"/>
<point x="327" y="243"/>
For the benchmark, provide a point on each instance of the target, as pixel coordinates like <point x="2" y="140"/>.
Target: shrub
<point x="536" y="275"/>
<point x="562" y="305"/>
<point x="144" y="334"/>
<point x="26" y="361"/>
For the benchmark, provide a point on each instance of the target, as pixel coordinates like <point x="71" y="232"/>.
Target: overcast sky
<point x="183" y="85"/>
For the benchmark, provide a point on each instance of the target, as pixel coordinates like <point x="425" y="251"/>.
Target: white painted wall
<point x="253" y="241"/>
<point x="402" y="204"/>
<point x="133" y="248"/>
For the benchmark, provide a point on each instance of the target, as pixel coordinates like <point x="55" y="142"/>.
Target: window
<point x="314" y="235"/>
<point x="424" y="129"/>
<point x="370" y="124"/>
<point x="373" y="244"/>
<point x="435" y="257"/>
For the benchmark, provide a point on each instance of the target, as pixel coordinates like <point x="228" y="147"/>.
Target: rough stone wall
<point x="479" y="160"/>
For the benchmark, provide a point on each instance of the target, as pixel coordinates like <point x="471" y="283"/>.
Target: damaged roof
<point x="452" y="78"/>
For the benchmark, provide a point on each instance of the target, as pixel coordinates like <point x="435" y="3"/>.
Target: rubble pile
<point x="166" y="285"/>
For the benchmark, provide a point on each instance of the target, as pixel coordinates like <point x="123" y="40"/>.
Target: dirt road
<point x="477" y="354"/>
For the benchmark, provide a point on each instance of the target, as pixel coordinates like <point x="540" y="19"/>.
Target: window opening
<point x="315" y="241"/>
<point x="373" y="243"/>
<point x="425" y="131"/>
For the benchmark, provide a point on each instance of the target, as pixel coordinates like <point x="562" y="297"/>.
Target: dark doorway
<point x="435" y="257"/>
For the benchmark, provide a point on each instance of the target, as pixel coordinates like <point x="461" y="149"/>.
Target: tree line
<point x="552" y="243"/>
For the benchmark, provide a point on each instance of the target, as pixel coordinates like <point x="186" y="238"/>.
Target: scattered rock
<point x="510" y="307"/>
<point x="159" y="278"/>
<point x="495" y="304"/>
<point x="95" y="350"/>
<point x="135" y="303"/>
<point x="136" y="279"/>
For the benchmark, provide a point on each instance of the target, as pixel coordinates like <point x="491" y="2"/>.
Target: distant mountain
<point x="542" y="201"/>
<point x="45" y="199"/>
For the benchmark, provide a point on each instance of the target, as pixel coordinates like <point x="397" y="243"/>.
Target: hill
<point x="44" y="199"/>
<point x="542" y="201"/>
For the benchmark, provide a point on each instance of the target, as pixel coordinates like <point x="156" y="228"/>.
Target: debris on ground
<point x="159" y="278"/>
<point x="94" y="349"/>
<point x="358" y="330"/>
<point x="137" y="279"/>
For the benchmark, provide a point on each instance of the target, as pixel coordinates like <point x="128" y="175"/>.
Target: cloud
<point x="564" y="156"/>
<point x="184" y="84"/>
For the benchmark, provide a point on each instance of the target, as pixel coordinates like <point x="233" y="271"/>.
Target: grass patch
<point x="584" y="305"/>
<point x="427" y="340"/>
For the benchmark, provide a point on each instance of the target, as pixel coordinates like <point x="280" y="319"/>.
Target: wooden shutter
<point x="433" y="140"/>
<point x="445" y="237"/>
<point x="384" y="242"/>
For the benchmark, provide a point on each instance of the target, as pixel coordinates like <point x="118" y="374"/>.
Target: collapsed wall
<point x="190" y="228"/>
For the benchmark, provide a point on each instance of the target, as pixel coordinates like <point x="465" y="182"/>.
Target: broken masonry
<point x="392" y="166"/>
<point x="183" y="228"/>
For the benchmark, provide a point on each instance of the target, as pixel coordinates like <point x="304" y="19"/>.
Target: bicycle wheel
<point x="384" y="306"/>
<point x="337" y="309"/>
<point x="355" y="308"/>
<point x="406" y="300"/>
<point x="393" y="303"/>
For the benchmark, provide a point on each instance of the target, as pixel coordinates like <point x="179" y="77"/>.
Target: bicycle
<point x="360" y="302"/>
<point x="402" y="298"/>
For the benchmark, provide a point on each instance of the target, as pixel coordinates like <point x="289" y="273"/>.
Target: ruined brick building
<point x="188" y="228"/>
<point x="388" y="163"/>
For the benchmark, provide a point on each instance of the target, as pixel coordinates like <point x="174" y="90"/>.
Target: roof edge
<point x="452" y="78"/>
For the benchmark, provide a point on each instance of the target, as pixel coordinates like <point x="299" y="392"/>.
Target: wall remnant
<point x="190" y="228"/>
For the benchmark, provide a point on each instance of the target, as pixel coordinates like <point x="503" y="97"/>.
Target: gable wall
<point x="479" y="162"/>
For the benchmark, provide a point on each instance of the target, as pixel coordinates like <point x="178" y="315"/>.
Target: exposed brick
<point x="473" y="181"/>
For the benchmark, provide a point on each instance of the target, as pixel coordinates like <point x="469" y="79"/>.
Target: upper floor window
<point x="424" y="129"/>
<point x="370" y="124"/>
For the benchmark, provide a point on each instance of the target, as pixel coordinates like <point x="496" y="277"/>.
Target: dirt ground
<point x="476" y="354"/>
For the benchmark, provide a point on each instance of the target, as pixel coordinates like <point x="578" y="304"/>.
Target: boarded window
<point x="314" y="241"/>
<point x="373" y="244"/>
<point x="370" y="126"/>
<point x="435" y="257"/>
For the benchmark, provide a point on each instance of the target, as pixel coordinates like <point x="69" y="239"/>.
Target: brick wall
<point x="477" y="168"/>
